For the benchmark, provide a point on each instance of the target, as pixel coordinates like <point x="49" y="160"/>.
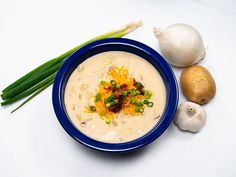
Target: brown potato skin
<point x="197" y="84"/>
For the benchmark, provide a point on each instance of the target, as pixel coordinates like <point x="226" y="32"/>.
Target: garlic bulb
<point x="181" y="44"/>
<point x="190" y="117"/>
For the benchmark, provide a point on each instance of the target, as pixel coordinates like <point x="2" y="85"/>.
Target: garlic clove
<point x="190" y="117"/>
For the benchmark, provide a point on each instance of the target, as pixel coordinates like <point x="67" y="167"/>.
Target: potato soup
<point x="115" y="97"/>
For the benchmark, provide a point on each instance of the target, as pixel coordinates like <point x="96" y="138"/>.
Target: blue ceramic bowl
<point x="114" y="44"/>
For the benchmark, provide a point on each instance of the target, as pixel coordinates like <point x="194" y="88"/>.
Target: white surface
<point x="32" y="141"/>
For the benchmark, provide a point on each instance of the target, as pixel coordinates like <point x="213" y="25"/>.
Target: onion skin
<point x="181" y="44"/>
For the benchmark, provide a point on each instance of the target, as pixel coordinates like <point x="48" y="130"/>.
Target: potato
<point x="197" y="84"/>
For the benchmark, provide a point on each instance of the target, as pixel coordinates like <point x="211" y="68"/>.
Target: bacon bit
<point x="134" y="83"/>
<point x="83" y="124"/>
<point x="117" y="107"/>
<point x="123" y="86"/>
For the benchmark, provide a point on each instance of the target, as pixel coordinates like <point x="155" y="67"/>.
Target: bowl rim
<point x="163" y="68"/>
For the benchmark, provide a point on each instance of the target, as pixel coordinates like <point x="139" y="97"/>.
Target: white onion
<point x="181" y="44"/>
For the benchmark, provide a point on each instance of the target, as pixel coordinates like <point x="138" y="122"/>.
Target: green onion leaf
<point x="145" y="101"/>
<point x="114" y="102"/>
<point x="125" y="93"/>
<point x="92" y="108"/>
<point x="98" y="97"/>
<point x="150" y="104"/>
<point x="133" y="92"/>
<point x="108" y="120"/>
<point x="139" y="85"/>
<point x="136" y="109"/>
<point x="133" y="100"/>
<point x="117" y="85"/>
<point x="139" y="103"/>
<point x="137" y="92"/>
<point x="113" y="83"/>
<point x="103" y="82"/>
<point x="141" y="110"/>
<point x="148" y="95"/>
<point x="109" y="98"/>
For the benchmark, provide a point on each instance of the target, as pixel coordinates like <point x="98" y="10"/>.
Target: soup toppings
<point x="121" y="93"/>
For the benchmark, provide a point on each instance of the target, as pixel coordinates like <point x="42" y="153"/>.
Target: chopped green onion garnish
<point x="133" y="92"/>
<point x="92" y="108"/>
<point x="133" y="100"/>
<point x="145" y="101"/>
<point x="113" y="82"/>
<point x="108" y="105"/>
<point x="139" y="85"/>
<point x="148" y="94"/>
<point x="114" y="102"/>
<point x="136" y="109"/>
<point x="98" y="97"/>
<point x="139" y="104"/>
<point x="141" y="110"/>
<point x="108" y="120"/>
<point x="137" y="92"/>
<point x="109" y="98"/>
<point x="150" y="104"/>
<point x="125" y="93"/>
<point x="103" y="82"/>
<point x="117" y="85"/>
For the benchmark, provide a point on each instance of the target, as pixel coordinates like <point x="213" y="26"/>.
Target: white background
<point x="32" y="142"/>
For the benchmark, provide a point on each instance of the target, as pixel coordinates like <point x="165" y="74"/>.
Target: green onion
<point x="150" y="104"/>
<point x="133" y="100"/>
<point x="29" y="91"/>
<point x="117" y="85"/>
<point x="43" y="76"/>
<point x="137" y="92"/>
<point x="145" y="101"/>
<point x="136" y="109"/>
<point x="139" y="103"/>
<point x="125" y="93"/>
<point x="108" y="120"/>
<point x="141" y="110"/>
<point x="98" y="97"/>
<point x="37" y="70"/>
<point x="139" y="85"/>
<point x="148" y="95"/>
<point x="30" y="82"/>
<point x="114" y="102"/>
<point x="108" y="105"/>
<point x="133" y="92"/>
<point x="109" y="98"/>
<point x="103" y="82"/>
<point x="33" y="95"/>
<point x="113" y="83"/>
<point x="92" y="108"/>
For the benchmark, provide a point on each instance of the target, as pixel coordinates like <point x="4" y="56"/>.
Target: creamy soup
<point x="115" y="119"/>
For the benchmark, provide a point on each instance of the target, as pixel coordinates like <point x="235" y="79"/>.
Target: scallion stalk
<point x="43" y="76"/>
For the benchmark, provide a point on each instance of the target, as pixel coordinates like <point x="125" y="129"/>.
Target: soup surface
<point x="115" y="110"/>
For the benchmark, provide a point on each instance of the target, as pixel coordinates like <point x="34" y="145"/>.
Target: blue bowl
<point x="115" y="44"/>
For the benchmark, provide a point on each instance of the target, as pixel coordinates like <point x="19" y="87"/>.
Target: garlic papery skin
<point x="181" y="44"/>
<point x="190" y="117"/>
